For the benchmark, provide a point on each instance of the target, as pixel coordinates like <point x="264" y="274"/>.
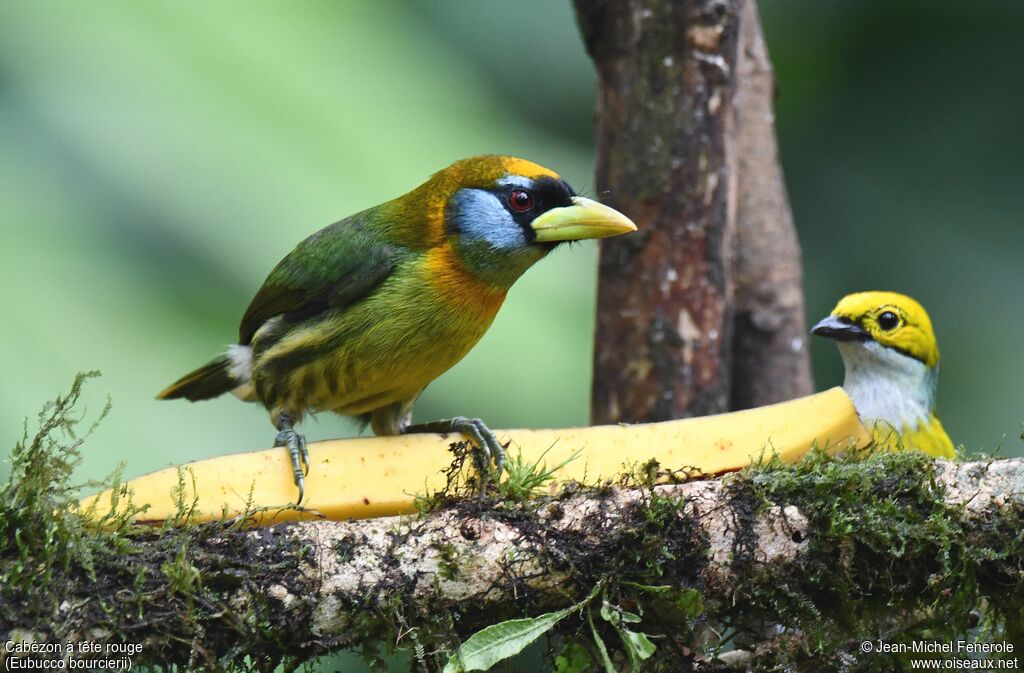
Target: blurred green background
<point x="157" y="158"/>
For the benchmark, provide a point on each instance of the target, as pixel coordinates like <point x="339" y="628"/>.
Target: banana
<point x="379" y="476"/>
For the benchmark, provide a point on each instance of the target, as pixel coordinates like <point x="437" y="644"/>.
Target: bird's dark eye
<point x="520" y="200"/>
<point x="888" y="321"/>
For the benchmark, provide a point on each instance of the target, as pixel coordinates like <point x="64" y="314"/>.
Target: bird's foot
<point x="296" y="445"/>
<point x="304" y="454"/>
<point x="474" y="428"/>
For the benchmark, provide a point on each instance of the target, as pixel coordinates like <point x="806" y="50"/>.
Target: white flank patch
<point x="241" y="371"/>
<point x="241" y="363"/>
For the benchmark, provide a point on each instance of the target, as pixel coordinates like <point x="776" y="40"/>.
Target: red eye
<point x="520" y="201"/>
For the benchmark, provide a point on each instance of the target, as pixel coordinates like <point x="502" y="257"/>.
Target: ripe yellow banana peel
<point x="380" y="476"/>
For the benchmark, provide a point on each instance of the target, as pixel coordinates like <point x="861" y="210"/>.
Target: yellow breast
<point x="386" y="348"/>
<point x="929" y="437"/>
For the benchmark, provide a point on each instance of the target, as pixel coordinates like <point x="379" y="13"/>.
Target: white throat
<point x="886" y="385"/>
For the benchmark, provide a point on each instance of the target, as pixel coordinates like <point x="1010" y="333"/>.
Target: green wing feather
<point x="333" y="268"/>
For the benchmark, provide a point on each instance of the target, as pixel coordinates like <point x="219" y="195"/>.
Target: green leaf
<point x="609" y="667"/>
<point x="500" y="641"/>
<point x="660" y="589"/>
<point x="574" y="658"/>
<point x="608" y="614"/>
<point x="494" y="643"/>
<point x="638" y="646"/>
<point x="688" y="600"/>
<point x="691" y="602"/>
<point x="615" y="615"/>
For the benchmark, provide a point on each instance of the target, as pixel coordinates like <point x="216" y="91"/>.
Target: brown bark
<point x="671" y="126"/>
<point x="770" y="354"/>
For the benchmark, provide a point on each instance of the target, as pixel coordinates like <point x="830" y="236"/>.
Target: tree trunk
<point x="770" y="354"/>
<point x="701" y="310"/>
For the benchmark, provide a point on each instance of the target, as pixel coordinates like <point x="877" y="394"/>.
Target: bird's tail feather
<point x="207" y="382"/>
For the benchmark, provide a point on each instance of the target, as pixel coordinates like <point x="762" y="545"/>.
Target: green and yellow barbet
<point x="366" y="312"/>
<point x="892" y="368"/>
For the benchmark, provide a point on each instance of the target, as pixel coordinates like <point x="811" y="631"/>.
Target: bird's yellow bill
<point x="585" y="218"/>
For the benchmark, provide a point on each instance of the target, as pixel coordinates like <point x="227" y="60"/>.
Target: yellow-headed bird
<point x="366" y="312"/>
<point x="892" y="368"/>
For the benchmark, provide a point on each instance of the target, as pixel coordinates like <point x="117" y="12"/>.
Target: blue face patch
<point x="478" y="215"/>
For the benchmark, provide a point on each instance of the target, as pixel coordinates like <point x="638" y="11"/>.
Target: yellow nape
<point x="485" y="170"/>
<point x="528" y="169"/>
<point x="930" y="438"/>
<point x="380" y="476"/>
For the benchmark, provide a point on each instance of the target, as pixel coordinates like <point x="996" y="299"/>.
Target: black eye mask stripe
<point x="547" y="193"/>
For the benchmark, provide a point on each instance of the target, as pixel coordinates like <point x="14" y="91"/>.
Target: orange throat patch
<point x="458" y="287"/>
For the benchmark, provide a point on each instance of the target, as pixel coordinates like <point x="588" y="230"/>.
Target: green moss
<point x="182" y="576"/>
<point x="39" y="544"/>
<point x="448" y="566"/>
<point x="523" y="480"/>
<point x="63" y="570"/>
<point x="886" y="558"/>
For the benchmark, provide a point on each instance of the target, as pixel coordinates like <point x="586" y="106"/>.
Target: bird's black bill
<point x="840" y="329"/>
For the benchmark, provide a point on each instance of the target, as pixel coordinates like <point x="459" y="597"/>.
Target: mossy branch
<point x="791" y="565"/>
<point x="881" y="557"/>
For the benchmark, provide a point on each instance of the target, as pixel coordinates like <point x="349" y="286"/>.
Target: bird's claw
<point x="296" y="445"/>
<point x="485" y="439"/>
<point x="304" y="454"/>
<point x="488" y="446"/>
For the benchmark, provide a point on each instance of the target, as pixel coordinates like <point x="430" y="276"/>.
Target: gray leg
<point x="304" y="454"/>
<point x="473" y="428"/>
<point x="297" y="451"/>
